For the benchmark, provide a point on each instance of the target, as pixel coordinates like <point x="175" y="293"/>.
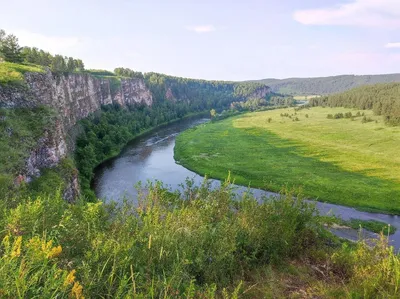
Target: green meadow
<point x="349" y="161"/>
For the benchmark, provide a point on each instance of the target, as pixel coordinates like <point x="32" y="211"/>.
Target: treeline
<point x="326" y="85"/>
<point x="383" y="99"/>
<point x="11" y="51"/>
<point x="126" y="72"/>
<point x="209" y="93"/>
<point x="258" y="103"/>
<point x="56" y="63"/>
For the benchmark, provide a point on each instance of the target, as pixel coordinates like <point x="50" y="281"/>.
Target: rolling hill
<point x="325" y="85"/>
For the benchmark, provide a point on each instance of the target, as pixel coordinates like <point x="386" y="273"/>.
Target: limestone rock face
<point x="73" y="97"/>
<point x="135" y="91"/>
<point x="260" y="93"/>
<point x="49" y="151"/>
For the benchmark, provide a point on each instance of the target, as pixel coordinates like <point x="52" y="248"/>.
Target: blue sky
<point x="220" y="39"/>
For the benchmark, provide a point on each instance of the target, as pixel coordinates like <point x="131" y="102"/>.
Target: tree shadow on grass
<point x="284" y="162"/>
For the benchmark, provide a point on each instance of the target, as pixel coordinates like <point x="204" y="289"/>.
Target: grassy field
<point x="343" y="161"/>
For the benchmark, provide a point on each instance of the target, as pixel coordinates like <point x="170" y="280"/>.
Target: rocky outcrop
<point x="73" y="97"/>
<point x="49" y="151"/>
<point x="260" y="93"/>
<point x="133" y="91"/>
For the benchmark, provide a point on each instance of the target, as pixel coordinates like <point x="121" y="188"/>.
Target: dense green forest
<point x="325" y="85"/>
<point x="383" y="99"/>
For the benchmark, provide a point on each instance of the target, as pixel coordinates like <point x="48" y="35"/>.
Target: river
<point x="151" y="157"/>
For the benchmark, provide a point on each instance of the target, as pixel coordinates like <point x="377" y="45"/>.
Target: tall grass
<point x="198" y="243"/>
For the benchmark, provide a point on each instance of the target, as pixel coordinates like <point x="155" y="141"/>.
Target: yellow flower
<point x="16" y="251"/>
<point x="76" y="291"/>
<point x="54" y="252"/>
<point x="70" y="278"/>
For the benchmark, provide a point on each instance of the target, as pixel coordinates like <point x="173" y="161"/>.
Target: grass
<point x="13" y="73"/>
<point x="371" y="225"/>
<point x="335" y="160"/>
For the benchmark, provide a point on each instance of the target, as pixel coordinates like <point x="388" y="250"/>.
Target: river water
<point x="151" y="157"/>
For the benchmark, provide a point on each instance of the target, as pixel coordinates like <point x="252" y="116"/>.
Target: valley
<point x="130" y="184"/>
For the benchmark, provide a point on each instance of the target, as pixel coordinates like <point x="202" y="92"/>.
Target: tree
<point x="213" y="113"/>
<point x="10" y="49"/>
<point x="58" y="64"/>
<point x="79" y="65"/>
<point x="2" y="36"/>
<point x="70" y="64"/>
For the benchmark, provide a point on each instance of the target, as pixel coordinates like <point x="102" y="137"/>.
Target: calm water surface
<point x="151" y="157"/>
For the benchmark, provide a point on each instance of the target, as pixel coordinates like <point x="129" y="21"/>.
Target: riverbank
<point x="339" y="161"/>
<point x="116" y="153"/>
<point x="105" y="135"/>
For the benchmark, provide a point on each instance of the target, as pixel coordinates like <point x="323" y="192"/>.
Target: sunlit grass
<point x="342" y="161"/>
<point x="14" y="73"/>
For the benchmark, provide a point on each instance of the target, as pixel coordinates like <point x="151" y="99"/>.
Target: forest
<point x="325" y="85"/>
<point x="383" y="99"/>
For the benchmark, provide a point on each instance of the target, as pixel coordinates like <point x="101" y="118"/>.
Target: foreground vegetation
<point x="346" y="161"/>
<point x="197" y="244"/>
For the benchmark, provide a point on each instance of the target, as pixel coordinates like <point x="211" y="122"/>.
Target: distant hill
<point x="325" y="85"/>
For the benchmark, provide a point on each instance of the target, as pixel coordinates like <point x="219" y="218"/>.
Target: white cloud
<point x="364" y="13"/>
<point x="392" y="45"/>
<point x="52" y="44"/>
<point x="202" y="29"/>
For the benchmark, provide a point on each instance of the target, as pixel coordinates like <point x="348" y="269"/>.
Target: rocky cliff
<point x="73" y="97"/>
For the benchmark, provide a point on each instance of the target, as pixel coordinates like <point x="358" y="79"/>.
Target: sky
<point x="218" y="39"/>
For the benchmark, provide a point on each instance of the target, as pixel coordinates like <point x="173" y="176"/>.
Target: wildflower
<point x="46" y="246"/>
<point x="54" y="252"/>
<point x="70" y="278"/>
<point x="16" y="251"/>
<point x="76" y="291"/>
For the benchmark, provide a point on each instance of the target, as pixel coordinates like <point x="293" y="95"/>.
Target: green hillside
<point x="325" y="85"/>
